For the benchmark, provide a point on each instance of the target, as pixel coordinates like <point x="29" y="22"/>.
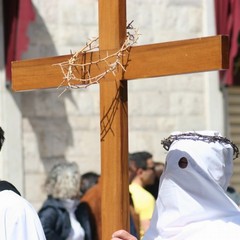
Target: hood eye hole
<point x="183" y="162"/>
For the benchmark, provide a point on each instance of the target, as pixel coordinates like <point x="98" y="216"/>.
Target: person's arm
<point x="145" y="223"/>
<point x="122" y="235"/>
<point x="48" y="218"/>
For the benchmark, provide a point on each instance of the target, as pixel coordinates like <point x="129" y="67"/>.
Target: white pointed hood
<point x="192" y="203"/>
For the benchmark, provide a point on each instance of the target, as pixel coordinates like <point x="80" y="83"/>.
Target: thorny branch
<point x="198" y="137"/>
<point x="71" y="68"/>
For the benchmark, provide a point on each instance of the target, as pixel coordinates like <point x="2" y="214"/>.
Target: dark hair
<point x="88" y="180"/>
<point x="140" y="158"/>
<point x="2" y="138"/>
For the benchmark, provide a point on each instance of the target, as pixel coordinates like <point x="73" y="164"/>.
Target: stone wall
<point x="66" y="128"/>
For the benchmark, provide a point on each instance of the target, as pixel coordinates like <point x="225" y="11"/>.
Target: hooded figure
<point x="192" y="203"/>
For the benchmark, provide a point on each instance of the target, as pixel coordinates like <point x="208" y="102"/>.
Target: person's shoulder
<point x="138" y="192"/>
<point x="10" y="201"/>
<point x="83" y="209"/>
<point x="8" y="197"/>
<point x="148" y="196"/>
<point x="93" y="193"/>
<point x="136" y="188"/>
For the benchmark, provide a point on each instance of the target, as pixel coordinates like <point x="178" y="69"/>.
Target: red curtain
<point x="17" y="16"/>
<point x="228" y="23"/>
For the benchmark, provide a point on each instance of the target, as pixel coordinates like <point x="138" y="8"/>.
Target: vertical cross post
<point x="114" y="124"/>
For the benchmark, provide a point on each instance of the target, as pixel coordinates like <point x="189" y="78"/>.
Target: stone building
<point x="43" y="128"/>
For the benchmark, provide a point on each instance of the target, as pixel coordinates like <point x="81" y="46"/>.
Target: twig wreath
<point x="73" y="66"/>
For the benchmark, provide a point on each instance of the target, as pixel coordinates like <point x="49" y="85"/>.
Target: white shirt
<point x="18" y="219"/>
<point x="77" y="232"/>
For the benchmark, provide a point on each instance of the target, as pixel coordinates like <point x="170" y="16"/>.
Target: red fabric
<point x="228" y="22"/>
<point x="17" y="16"/>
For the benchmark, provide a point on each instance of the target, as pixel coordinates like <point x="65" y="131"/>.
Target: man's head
<point x="144" y="167"/>
<point x="2" y="138"/>
<point x="88" y="180"/>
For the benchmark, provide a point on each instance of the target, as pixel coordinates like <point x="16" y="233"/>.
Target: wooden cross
<point x="187" y="56"/>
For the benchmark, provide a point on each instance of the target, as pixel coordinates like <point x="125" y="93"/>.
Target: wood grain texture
<point x="153" y="60"/>
<point x="178" y="57"/>
<point x="114" y="124"/>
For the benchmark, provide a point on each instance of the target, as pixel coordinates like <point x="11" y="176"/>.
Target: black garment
<point x="153" y="188"/>
<point x="5" y="185"/>
<point x="56" y="221"/>
<point x="133" y="229"/>
<point x="134" y="219"/>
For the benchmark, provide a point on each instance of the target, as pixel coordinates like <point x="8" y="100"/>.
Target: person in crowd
<point x="143" y="201"/>
<point x="192" y="203"/>
<point x="62" y="216"/>
<point x="153" y="188"/>
<point x="18" y="219"/>
<point x="88" y="180"/>
<point x="93" y="198"/>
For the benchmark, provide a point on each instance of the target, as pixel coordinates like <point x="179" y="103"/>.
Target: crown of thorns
<point x="198" y="137"/>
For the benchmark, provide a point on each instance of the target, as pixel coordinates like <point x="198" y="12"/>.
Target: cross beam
<point x="161" y="59"/>
<point x="202" y="54"/>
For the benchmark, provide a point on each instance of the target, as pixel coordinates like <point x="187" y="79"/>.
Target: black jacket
<point x="56" y="222"/>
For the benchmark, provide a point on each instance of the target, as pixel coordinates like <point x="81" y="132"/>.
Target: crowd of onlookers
<point x="72" y="209"/>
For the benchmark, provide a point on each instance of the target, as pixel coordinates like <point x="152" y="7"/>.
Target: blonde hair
<point x="63" y="181"/>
